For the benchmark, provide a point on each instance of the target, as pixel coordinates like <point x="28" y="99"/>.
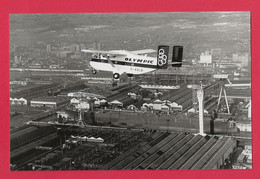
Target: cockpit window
<point x="94" y="56"/>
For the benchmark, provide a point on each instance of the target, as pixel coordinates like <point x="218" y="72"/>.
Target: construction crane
<point x="222" y="89"/>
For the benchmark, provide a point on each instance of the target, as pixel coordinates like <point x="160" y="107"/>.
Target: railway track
<point x="22" y="165"/>
<point x="30" y="159"/>
<point x="28" y="142"/>
<point x="119" y="138"/>
<point x="34" y="92"/>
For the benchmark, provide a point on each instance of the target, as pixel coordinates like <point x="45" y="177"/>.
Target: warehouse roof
<point x="176" y="151"/>
<point x="49" y="99"/>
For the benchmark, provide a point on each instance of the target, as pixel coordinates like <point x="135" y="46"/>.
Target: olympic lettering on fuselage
<point x="138" y="60"/>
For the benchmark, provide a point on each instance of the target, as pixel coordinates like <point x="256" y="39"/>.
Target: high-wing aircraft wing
<point x="115" y="52"/>
<point x="145" y="51"/>
<point x="120" y="52"/>
<point x="173" y="63"/>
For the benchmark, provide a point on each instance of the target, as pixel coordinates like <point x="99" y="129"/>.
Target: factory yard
<point x="124" y="149"/>
<point x="128" y="129"/>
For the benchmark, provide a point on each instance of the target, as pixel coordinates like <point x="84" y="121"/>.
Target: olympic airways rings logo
<point x="162" y="58"/>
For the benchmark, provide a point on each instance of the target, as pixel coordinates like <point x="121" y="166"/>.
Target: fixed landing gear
<point x="130" y="75"/>
<point x="94" y="71"/>
<point x="114" y="84"/>
<point x="116" y="75"/>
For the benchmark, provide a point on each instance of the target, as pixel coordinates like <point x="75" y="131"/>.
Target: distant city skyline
<point x="134" y="29"/>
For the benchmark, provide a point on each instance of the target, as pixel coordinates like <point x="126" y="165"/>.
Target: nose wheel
<point x="116" y="75"/>
<point x="94" y="71"/>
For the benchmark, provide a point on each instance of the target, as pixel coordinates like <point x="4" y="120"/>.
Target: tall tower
<point x="16" y="60"/>
<point x="48" y="48"/>
<point x="77" y="48"/>
<point x="200" y="96"/>
<point x="99" y="46"/>
<point x="82" y="46"/>
<point x="198" y="90"/>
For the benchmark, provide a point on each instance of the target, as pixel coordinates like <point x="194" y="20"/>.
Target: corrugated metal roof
<point x="175" y="151"/>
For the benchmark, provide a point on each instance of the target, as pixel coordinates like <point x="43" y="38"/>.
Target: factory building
<point x="49" y="102"/>
<point x="63" y="54"/>
<point x="15" y="101"/>
<point x="99" y="103"/>
<point x="164" y="106"/>
<point x="116" y="104"/>
<point x="249" y="108"/>
<point x="243" y="59"/>
<point x="23" y="83"/>
<point x="159" y="151"/>
<point x="177" y="151"/>
<point x="85" y="95"/>
<point x="131" y="107"/>
<point x="192" y="110"/>
<point x="244" y="160"/>
<point x="62" y="114"/>
<point x="85" y="104"/>
<point x="74" y="101"/>
<point x="244" y="126"/>
<point x="206" y="58"/>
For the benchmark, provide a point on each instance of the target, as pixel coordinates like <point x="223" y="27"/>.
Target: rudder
<point x="177" y="54"/>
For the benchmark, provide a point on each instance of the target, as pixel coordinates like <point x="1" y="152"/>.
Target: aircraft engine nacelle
<point x="162" y="56"/>
<point x="177" y="54"/>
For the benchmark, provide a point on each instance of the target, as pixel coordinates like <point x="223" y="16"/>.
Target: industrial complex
<point x="66" y="116"/>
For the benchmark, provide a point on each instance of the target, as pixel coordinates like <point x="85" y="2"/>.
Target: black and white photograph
<point x="130" y="91"/>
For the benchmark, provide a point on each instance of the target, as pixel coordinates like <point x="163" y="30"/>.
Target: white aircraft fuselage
<point x="130" y="64"/>
<point x="133" y="62"/>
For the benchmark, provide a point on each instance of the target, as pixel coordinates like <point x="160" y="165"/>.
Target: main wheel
<point x="116" y="75"/>
<point x="130" y="75"/>
<point x="94" y="71"/>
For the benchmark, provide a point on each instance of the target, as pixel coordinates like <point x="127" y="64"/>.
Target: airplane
<point x="133" y="62"/>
